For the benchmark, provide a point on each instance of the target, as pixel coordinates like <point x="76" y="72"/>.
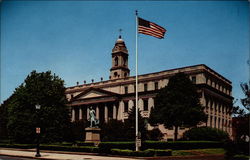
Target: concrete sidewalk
<point x="56" y="155"/>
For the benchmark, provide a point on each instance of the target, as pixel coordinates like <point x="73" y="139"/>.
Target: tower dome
<point x="120" y="46"/>
<point x="119" y="67"/>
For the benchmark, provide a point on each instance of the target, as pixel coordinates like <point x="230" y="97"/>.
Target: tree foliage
<point x="205" y="134"/>
<point x="48" y="91"/>
<point x="177" y="104"/>
<point x="246" y="90"/>
<point x="130" y="124"/>
<point x="115" y="130"/>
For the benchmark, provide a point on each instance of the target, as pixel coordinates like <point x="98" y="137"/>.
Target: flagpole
<point x="136" y="82"/>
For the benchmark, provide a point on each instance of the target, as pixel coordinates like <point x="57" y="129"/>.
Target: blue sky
<point x="74" y="39"/>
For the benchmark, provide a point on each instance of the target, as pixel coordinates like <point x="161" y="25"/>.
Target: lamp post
<point x="38" y="131"/>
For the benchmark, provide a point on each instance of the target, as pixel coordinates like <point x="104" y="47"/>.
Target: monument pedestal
<point x="92" y="135"/>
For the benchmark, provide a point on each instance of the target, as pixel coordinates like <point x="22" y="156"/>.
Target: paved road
<point x="14" y="158"/>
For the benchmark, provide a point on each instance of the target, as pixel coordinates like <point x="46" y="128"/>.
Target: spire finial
<point x="120" y="32"/>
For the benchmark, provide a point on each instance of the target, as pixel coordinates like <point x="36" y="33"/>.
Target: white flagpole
<point x="136" y="83"/>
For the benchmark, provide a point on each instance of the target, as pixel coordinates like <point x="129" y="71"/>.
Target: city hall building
<point x="113" y="98"/>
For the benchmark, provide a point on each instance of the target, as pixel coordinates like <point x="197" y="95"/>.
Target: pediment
<point x="94" y="93"/>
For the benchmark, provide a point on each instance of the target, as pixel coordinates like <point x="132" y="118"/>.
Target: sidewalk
<point x="64" y="155"/>
<point x="58" y="155"/>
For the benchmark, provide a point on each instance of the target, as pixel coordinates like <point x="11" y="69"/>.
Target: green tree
<point x="48" y="91"/>
<point x="205" y="134"/>
<point x="130" y="125"/>
<point x="113" y="130"/>
<point x="177" y="105"/>
<point x="246" y="90"/>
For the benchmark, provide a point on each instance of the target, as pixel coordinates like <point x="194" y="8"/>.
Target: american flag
<point x="150" y="28"/>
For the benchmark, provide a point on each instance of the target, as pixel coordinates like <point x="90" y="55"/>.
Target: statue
<point x="92" y="118"/>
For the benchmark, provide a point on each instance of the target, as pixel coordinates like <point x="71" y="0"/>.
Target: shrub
<point x="105" y="147"/>
<point x="236" y="148"/>
<point x="85" y="144"/>
<point x="70" y="148"/>
<point x="22" y="146"/>
<point x="145" y="153"/>
<point x="241" y="157"/>
<point x="155" y="134"/>
<point x="181" y="145"/>
<point x="205" y="134"/>
<point x="110" y="131"/>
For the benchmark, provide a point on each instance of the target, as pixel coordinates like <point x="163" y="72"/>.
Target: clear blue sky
<point x="75" y="39"/>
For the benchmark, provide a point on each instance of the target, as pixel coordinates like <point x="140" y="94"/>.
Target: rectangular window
<point x="218" y="123"/>
<point x="211" y="121"/>
<point x="194" y="79"/>
<point x="156" y="85"/>
<point x="145" y="87"/>
<point x="215" y="119"/>
<point x="126" y="89"/>
<point x="145" y="105"/>
<point x="126" y="106"/>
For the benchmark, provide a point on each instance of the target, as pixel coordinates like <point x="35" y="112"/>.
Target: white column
<point x="80" y="113"/>
<point x="97" y="112"/>
<point x="120" y="111"/>
<point x="87" y="112"/>
<point x="140" y="104"/>
<point x="209" y="112"/>
<point x="114" y="112"/>
<point x="150" y="104"/>
<point x="106" y="113"/>
<point x="73" y="115"/>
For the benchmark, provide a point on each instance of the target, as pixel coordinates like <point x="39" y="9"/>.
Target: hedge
<point x="85" y="144"/>
<point x="70" y="148"/>
<point x="22" y="146"/>
<point x="105" y="147"/>
<point x="181" y="145"/>
<point x="145" y="153"/>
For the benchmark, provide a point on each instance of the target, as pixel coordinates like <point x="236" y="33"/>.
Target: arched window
<point x="115" y="74"/>
<point x="116" y="61"/>
<point x="125" y="61"/>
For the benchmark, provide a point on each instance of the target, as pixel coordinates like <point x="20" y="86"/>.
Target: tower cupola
<point x="119" y="67"/>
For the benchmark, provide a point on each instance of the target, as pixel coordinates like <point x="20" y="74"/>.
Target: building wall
<point x="215" y="94"/>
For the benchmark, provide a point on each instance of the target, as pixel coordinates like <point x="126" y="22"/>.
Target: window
<point x="125" y="74"/>
<point x="135" y="87"/>
<point x="126" y="89"/>
<point x="126" y="106"/>
<point x="215" y="119"/>
<point x="218" y="123"/>
<point x="145" y="87"/>
<point x="156" y="85"/>
<point x="193" y="79"/>
<point x="115" y="74"/>
<point x="145" y="105"/>
<point x="116" y="61"/>
<point x="125" y="62"/>
<point x="211" y="121"/>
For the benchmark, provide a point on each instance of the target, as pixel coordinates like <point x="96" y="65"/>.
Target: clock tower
<point x="119" y="67"/>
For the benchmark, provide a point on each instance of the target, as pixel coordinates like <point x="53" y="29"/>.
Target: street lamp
<point x="38" y="131"/>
